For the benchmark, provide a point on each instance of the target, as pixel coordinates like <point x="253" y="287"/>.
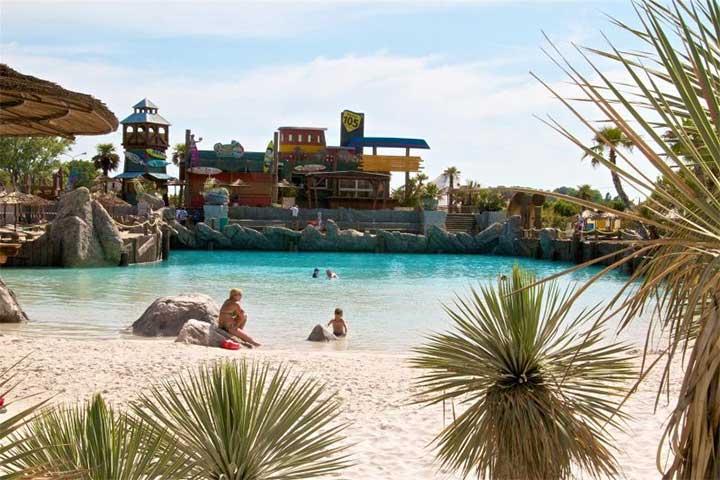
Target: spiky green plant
<point x="9" y="445"/>
<point x="538" y="387"/>
<point x="669" y="108"/>
<point x="240" y="421"/>
<point x="92" y="442"/>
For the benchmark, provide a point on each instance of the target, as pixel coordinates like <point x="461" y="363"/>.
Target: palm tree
<point x="178" y="153"/>
<point x="92" y="442"/>
<point x="538" y="386"/>
<point x="610" y="139"/>
<point x="240" y="421"/>
<point x="106" y="159"/>
<point x="452" y="174"/>
<point x="679" y="274"/>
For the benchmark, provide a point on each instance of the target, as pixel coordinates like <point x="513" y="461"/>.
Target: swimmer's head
<point x="338" y="312"/>
<point x="236" y="293"/>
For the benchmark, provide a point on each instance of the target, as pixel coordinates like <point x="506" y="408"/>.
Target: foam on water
<point x="390" y="301"/>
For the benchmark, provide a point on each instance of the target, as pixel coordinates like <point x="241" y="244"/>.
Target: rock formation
<point x="196" y="332"/>
<point x="166" y="316"/>
<point x="83" y="234"/>
<point x="499" y="238"/>
<point x="320" y="334"/>
<point x="10" y="311"/>
<point x="152" y="201"/>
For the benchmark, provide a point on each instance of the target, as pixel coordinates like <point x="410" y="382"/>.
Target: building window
<point x="290" y="137"/>
<point x="318" y="140"/>
<point x="355" y="188"/>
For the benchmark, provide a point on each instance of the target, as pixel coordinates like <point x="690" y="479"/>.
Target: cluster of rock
<point x="191" y="318"/>
<point x="83" y="234"/>
<point x="502" y="239"/>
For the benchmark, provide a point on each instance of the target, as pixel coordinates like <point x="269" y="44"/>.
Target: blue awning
<point x="129" y="175"/>
<point x="161" y="176"/>
<point x="388" y="142"/>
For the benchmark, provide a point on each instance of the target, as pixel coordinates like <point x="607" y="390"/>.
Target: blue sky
<point x="453" y="73"/>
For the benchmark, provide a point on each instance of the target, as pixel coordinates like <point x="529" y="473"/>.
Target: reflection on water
<point x="390" y="301"/>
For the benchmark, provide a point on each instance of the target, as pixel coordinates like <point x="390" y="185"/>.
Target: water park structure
<point x="145" y="139"/>
<point x="299" y="158"/>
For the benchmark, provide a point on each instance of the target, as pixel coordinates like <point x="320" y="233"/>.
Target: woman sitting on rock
<point x="233" y="318"/>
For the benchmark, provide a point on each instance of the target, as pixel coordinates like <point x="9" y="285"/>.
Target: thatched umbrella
<point x="110" y="201"/>
<point x="30" y="106"/>
<point x="20" y="199"/>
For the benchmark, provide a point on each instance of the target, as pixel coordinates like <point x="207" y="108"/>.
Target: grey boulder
<point x="196" y="332"/>
<point x="166" y="316"/>
<point x="320" y="334"/>
<point x="83" y="233"/>
<point x="10" y="311"/>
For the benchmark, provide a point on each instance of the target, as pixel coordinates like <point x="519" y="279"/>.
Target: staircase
<point x="460" y="222"/>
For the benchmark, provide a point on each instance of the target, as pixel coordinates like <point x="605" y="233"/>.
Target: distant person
<point x="330" y="274"/>
<point x="181" y="215"/>
<point x="233" y="318"/>
<point x="316" y="273"/>
<point x="319" y="220"/>
<point x="338" y="324"/>
<point x="295" y="212"/>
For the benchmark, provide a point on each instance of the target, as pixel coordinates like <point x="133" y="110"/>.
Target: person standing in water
<point x="330" y="274"/>
<point x="233" y="318"/>
<point x="338" y="324"/>
<point x="316" y="273"/>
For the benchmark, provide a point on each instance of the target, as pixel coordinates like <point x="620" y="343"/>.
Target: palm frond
<point x="240" y="421"/>
<point x="670" y="110"/>
<point x="92" y="442"/>
<point x="538" y="386"/>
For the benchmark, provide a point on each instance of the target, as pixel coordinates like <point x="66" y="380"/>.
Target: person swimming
<point x="233" y="318"/>
<point x="316" y="273"/>
<point x="330" y="274"/>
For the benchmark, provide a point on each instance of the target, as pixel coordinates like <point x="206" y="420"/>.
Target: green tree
<point x="28" y="159"/>
<point x="82" y="172"/>
<point x="106" y="159"/>
<point x="453" y="175"/>
<point x="178" y="153"/>
<point x="539" y="387"/>
<point x="610" y="139"/>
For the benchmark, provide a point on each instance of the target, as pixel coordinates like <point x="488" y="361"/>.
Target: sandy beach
<point x="391" y="437"/>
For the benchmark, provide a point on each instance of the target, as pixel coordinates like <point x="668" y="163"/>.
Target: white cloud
<point x="472" y="117"/>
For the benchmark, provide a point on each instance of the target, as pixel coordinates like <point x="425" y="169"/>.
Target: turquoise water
<point x="390" y="301"/>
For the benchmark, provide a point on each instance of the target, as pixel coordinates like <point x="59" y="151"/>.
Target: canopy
<point x="388" y="142"/>
<point x="30" y="106"/>
<point x="110" y="200"/>
<point x="25" y="199"/>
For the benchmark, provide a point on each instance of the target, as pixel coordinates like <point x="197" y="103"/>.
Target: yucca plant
<point x="240" y="421"/>
<point x="537" y="388"/>
<point x="11" y="423"/>
<point x="669" y="108"/>
<point x="92" y="442"/>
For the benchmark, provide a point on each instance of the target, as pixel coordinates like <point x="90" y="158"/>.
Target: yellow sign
<point x="351" y="120"/>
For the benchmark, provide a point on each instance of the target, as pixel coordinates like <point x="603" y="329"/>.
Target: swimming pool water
<point x="390" y="301"/>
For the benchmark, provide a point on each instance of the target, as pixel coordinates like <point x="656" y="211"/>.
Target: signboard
<point x="233" y="149"/>
<point x="352" y="125"/>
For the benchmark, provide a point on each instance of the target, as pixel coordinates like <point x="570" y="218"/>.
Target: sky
<point x="453" y="73"/>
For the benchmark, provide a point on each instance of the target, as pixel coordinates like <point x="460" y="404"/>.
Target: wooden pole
<point x="185" y="177"/>
<point x="407" y="177"/>
<point x="274" y="167"/>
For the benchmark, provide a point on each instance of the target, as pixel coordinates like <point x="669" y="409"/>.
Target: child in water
<point x="338" y="323"/>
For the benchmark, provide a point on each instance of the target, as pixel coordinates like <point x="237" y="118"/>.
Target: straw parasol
<point x="30" y="106"/>
<point x="20" y="199"/>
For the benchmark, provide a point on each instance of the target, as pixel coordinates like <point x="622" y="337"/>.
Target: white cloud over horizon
<point x="473" y="117"/>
